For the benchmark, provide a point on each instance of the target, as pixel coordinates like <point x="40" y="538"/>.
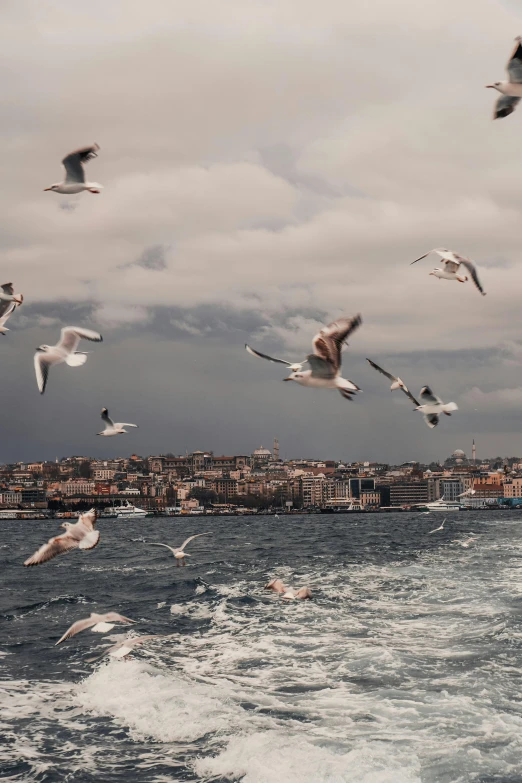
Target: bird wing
<point x="505" y="106"/>
<point x="73" y="163"/>
<point x="119" y="618"/>
<point x="166" y="547"/>
<point x="264" y="356"/>
<point x="71" y="336"/>
<point x="90" y="540"/>
<point x="408" y="394"/>
<point x="42" y="362"/>
<point x="8" y="289"/>
<point x="55" y="546"/>
<point x="304" y="593"/>
<point x="184" y="544"/>
<point x="431" y="419"/>
<point x="470" y="266"/>
<point x="79" y="625"/>
<point x="451" y="266"/>
<point x="140" y="639"/>
<point x="88" y="519"/>
<point x="330" y="340"/>
<point x="106" y="418"/>
<point x="427" y="395"/>
<point x="514" y="65"/>
<point x="6" y="310"/>
<point x="383" y="372"/>
<point x="126" y="424"/>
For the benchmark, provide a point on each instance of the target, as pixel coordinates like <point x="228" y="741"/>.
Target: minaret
<point x="474" y="453"/>
<point x="276" y="450"/>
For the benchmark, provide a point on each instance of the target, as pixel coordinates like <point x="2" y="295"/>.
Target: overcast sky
<point x="267" y="167"/>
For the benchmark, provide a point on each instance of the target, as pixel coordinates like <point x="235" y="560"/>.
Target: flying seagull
<point x="511" y="91"/>
<point x="64" y="351"/>
<point x="74" y="181"/>
<point x="294" y="366"/>
<point x="100" y="623"/>
<point x="7" y="295"/>
<point x="433" y="407"/>
<point x="6" y="314"/>
<point x="179" y="552"/>
<point x="451" y="265"/>
<point x="112" y="428"/>
<point x="397" y="383"/>
<point x="326" y="359"/>
<point x="121" y="649"/>
<point x="81" y="535"/>
<point x="441" y="527"/>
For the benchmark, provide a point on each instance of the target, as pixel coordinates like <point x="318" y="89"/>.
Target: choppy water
<point x="405" y="667"/>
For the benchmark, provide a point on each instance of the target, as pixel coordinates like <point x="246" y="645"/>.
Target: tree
<point x="204" y="495"/>
<point x="84" y="471"/>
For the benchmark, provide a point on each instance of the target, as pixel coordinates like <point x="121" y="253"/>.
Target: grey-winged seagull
<point x="64" y="351"/>
<point x="100" y="623"/>
<point x="294" y="366"/>
<point x="111" y="427"/>
<point x="326" y="359"/>
<point x="121" y="649"/>
<point x="74" y="181"/>
<point x="397" y="383"/>
<point x="433" y="406"/>
<point x="179" y="552"/>
<point x="81" y="535"/>
<point x="511" y="90"/>
<point x="452" y="262"/>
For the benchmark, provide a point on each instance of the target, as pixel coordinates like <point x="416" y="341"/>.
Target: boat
<point x="440" y="505"/>
<point x="19" y="513"/>
<point x="128" y="511"/>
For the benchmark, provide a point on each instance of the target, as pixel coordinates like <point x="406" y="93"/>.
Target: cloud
<point x="498" y="399"/>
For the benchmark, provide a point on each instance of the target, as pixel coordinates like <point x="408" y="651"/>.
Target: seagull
<point x="63" y="351"/>
<point x="511" y="91"/>
<point x="8" y="295"/>
<point x="464" y="543"/>
<point x="75" y="175"/>
<point x="397" y="383"/>
<point x="81" y="535"/>
<point x="112" y="428"/>
<point x="303" y="593"/>
<point x="121" y="649"/>
<point x="6" y="314"/>
<point x="179" y="552"/>
<point x="276" y="585"/>
<point x="433" y="407"/>
<point x="437" y="528"/>
<point x="326" y="359"/>
<point x="294" y="366"/>
<point x="100" y="623"/>
<point x="452" y="262"/>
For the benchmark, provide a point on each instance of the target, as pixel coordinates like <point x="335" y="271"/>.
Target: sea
<point x="405" y="667"/>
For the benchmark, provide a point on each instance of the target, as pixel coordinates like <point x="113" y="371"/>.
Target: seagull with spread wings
<point x="81" y="535"/>
<point x="74" y="181"/>
<point x="121" y="649"/>
<point x="452" y="262"/>
<point x="100" y="623"/>
<point x="179" y="551"/>
<point x="433" y="406"/>
<point x="397" y="383"/>
<point x="511" y="90"/>
<point x="111" y="427"/>
<point x="440" y="527"/>
<point x="64" y="351"/>
<point x="294" y="366"/>
<point x="325" y="361"/>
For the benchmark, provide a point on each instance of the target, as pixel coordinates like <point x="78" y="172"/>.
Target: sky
<point x="268" y="166"/>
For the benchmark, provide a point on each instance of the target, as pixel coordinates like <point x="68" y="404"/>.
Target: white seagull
<point x="294" y="366"/>
<point x="441" y="527"/>
<point x="74" y="181"/>
<point x="433" y="407"/>
<point x="81" y="535"/>
<point x="304" y="593"/>
<point x="451" y="267"/>
<point x="111" y="427"/>
<point x="179" y="552"/>
<point x="326" y="359"/>
<point x="64" y="351"/>
<point x="6" y="315"/>
<point x="276" y="585"/>
<point x="100" y="623"/>
<point x="121" y="649"/>
<point x="511" y="91"/>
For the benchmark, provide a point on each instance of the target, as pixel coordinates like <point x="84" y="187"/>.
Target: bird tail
<point x="450" y="406"/>
<point x="76" y="359"/>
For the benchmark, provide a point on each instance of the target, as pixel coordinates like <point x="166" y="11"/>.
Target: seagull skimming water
<point x="121" y="649"/>
<point x="441" y="527"/>
<point x="81" y="535"/>
<point x="511" y="91"/>
<point x="100" y="623"/>
<point x="64" y="351"/>
<point x="74" y="181"/>
<point x="179" y="552"/>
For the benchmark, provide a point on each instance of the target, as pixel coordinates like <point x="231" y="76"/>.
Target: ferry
<point x="18" y="513"/>
<point x="128" y="511"/>
<point x="440" y="505"/>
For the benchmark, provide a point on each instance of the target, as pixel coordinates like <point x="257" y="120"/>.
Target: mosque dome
<point x="458" y="454"/>
<point x="262" y="452"/>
